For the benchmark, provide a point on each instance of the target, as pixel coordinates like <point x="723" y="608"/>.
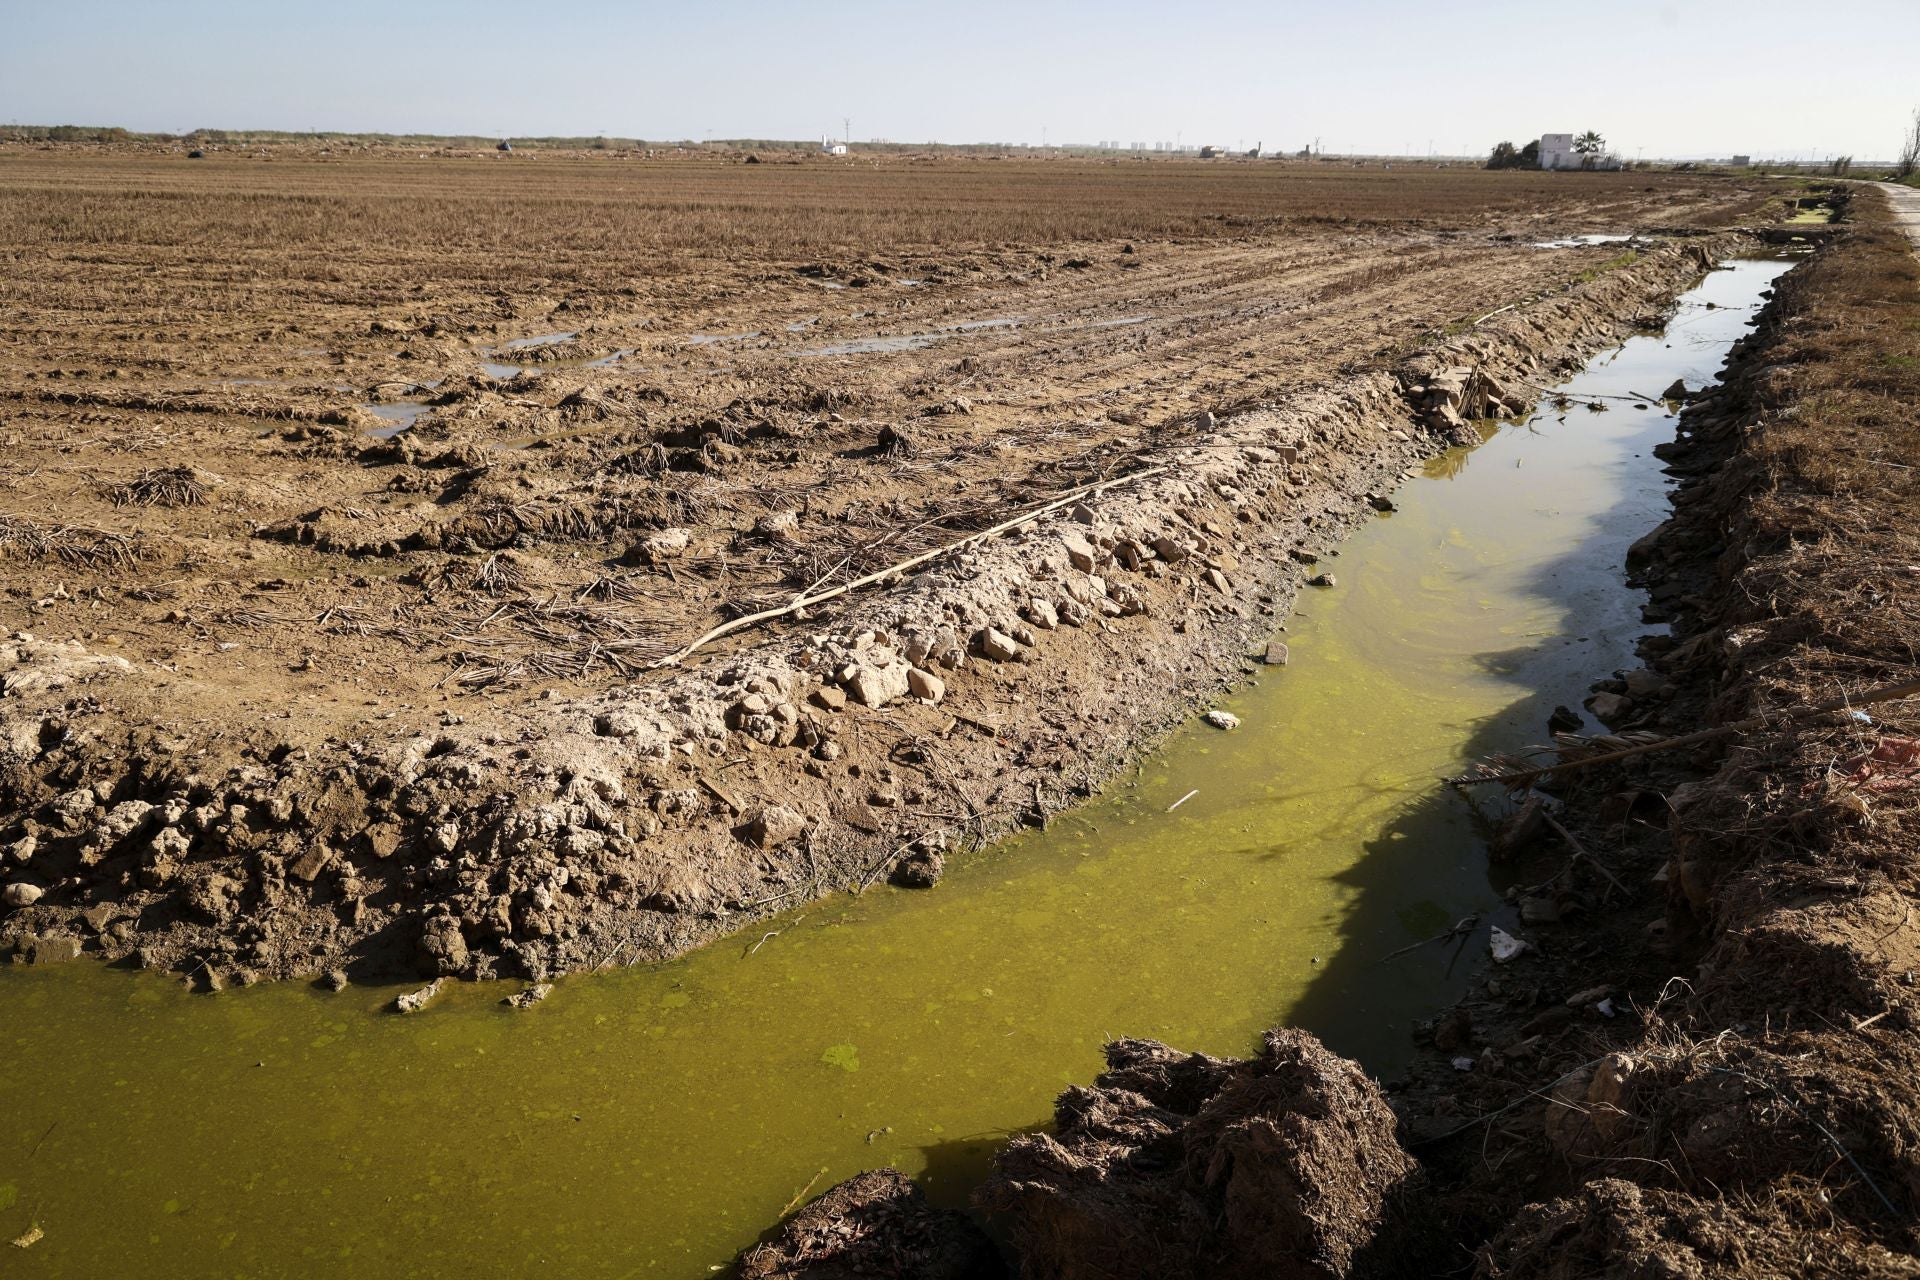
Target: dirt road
<point x="1906" y="209"/>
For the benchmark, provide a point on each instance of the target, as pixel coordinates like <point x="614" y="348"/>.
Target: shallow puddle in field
<point x="400" y="416"/>
<point x="909" y="341"/>
<point x="496" y="369"/>
<point x="651" y="1121"/>
<point x="537" y="340"/>
<point x="1580" y="242"/>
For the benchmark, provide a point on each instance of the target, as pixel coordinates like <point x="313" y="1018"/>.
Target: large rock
<point x="1182" y="1166"/>
<point x="773" y="826"/>
<point x="876" y="1224"/>
<point x="997" y="645"/>
<point x="877" y="686"/>
<point x="415" y="1001"/>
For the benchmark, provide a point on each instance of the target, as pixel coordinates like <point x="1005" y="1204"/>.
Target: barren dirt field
<point x="345" y="498"/>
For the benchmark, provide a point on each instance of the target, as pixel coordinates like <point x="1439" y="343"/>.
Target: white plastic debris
<point x="1463" y="1064"/>
<point x="1504" y="945"/>
<point x="1604" y="1008"/>
<point x="1222" y="719"/>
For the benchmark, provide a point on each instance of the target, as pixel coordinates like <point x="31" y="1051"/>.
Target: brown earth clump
<point x="877" y="1226"/>
<point x="1179" y="1165"/>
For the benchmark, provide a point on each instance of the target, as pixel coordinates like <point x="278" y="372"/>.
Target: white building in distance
<point x="1556" y="152"/>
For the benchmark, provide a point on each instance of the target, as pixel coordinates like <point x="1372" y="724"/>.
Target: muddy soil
<point x="291" y="691"/>
<point x="1701" y="1064"/>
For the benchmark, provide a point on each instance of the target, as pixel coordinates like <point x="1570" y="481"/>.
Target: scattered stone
<point x="1520" y="831"/>
<point x="997" y="645"/>
<point x="656" y="548"/>
<point x="1222" y="719"/>
<point x="828" y="698"/>
<point x="1080" y="552"/>
<point x="53" y="950"/>
<point x="1380" y="502"/>
<point x="335" y="980"/>
<point x="1503" y="946"/>
<point x="1042" y="614"/>
<point x="1276" y="654"/>
<point x="877" y="686"/>
<point x="415" y="1001"/>
<point x="532" y="996"/>
<point x="1219" y="582"/>
<point x="1642" y="683"/>
<point x="1171" y="550"/>
<point x="926" y="685"/>
<point x="1609" y="708"/>
<point x="308" y="866"/>
<point x="780" y="526"/>
<point x="773" y="826"/>
<point x="1322" y="580"/>
<point x="919" y="870"/>
<point x="1564" y="720"/>
<point x="22" y="894"/>
<point x="1678" y="391"/>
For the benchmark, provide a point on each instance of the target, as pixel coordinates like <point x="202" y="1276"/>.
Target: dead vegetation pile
<point x="75" y="545"/>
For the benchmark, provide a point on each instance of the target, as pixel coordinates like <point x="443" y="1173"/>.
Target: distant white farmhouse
<point x="1556" y="152"/>
<point x="828" y="147"/>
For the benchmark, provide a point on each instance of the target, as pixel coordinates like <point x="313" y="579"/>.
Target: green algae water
<point x="651" y="1122"/>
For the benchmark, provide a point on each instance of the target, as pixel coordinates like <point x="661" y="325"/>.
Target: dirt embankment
<point x="1704" y="1064"/>
<point x="634" y="819"/>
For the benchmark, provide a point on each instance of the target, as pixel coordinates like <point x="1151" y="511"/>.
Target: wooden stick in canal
<point x="1885" y="693"/>
<point x="802" y="600"/>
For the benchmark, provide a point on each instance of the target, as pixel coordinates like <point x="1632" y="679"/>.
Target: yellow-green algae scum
<point x="651" y="1122"/>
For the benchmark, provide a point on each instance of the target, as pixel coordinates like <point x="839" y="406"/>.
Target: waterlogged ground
<point x="651" y="1122"/>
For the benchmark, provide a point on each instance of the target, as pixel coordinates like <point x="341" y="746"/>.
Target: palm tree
<point x="1589" y="144"/>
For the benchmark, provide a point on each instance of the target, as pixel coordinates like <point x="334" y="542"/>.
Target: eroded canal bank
<point x="651" y="1121"/>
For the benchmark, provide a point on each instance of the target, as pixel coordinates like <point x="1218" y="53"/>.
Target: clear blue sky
<point x="1670" y="77"/>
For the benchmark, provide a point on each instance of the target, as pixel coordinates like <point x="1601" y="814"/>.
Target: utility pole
<point x="846" y="125"/>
